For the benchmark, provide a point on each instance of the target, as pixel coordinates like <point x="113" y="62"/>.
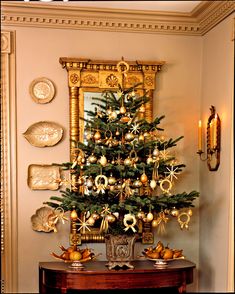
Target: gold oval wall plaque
<point x="44" y="134"/>
<point x="42" y="90"/>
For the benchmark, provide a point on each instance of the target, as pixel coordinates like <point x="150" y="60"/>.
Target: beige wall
<point x="217" y="187"/>
<point x="37" y="55"/>
<point x="195" y="67"/>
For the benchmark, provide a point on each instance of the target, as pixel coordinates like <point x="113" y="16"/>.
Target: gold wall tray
<point x="42" y="90"/>
<point x="44" y="134"/>
<point x="43" y="177"/>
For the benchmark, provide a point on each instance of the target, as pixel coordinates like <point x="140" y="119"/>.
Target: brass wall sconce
<point x="213" y="137"/>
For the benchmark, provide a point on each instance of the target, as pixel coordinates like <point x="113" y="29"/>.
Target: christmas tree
<point x="123" y="173"/>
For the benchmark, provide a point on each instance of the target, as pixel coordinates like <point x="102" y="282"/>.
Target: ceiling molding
<point x="204" y="17"/>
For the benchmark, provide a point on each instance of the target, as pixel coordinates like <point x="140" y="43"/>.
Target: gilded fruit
<point x="159" y="247"/>
<point x="75" y="255"/>
<point x="167" y="253"/>
<point x="154" y="255"/>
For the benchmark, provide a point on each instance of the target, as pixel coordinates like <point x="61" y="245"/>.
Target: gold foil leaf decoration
<point x="44" y="134"/>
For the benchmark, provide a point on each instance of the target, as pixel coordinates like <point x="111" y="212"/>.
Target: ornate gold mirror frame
<point x="85" y="75"/>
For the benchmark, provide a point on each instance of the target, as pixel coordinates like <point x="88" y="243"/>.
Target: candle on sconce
<point x="215" y="132"/>
<point x="200" y="135"/>
<point x="211" y="134"/>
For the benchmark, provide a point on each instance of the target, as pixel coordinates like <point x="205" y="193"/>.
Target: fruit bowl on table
<point x="75" y="256"/>
<point x="162" y="255"/>
<point x="160" y="262"/>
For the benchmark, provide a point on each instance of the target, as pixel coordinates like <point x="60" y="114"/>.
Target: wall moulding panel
<point x="197" y="22"/>
<point x="8" y="165"/>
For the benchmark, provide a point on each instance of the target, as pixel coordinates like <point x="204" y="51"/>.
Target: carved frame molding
<point x="198" y="22"/>
<point x="9" y="248"/>
<point x="97" y="76"/>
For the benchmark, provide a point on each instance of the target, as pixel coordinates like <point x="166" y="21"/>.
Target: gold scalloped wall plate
<point x="44" y="134"/>
<point x="41" y="219"/>
<point x="43" y="177"/>
<point x="42" y="90"/>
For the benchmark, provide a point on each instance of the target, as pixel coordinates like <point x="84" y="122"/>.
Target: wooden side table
<point x="57" y="277"/>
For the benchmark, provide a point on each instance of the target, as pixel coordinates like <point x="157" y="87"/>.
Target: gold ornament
<point x="154" y="223"/>
<point x="95" y="216"/>
<point x="166" y="190"/>
<point x="111" y="180"/>
<point x="108" y="138"/>
<point x="141" y="214"/>
<point x="123" y="67"/>
<point x="126" y="221"/>
<point x="137" y="184"/>
<point x="149" y="217"/>
<point x="153" y="184"/>
<point x="117" y="132"/>
<point x="97" y="135"/>
<point x="125" y="119"/>
<point x="149" y="159"/>
<point x="91" y="221"/>
<point x="161" y="222"/>
<point x="101" y="186"/>
<point x="184" y="223"/>
<point x="103" y="160"/>
<point x="190" y="212"/>
<point x="155" y="152"/>
<point x="129" y="137"/>
<point x="79" y="157"/>
<point x="110" y="218"/>
<point x="104" y="223"/>
<point x="172" y="172"/>
<point x="144" y="178"/>
<point x="175" y="212"/>
<point x="134" y="158"/>
<point x="127" y="161"/>
<point x="83" y="224"/>
<point x="92" y="158"/>
<point x="112" y="115"/>
<point x="141" y="138"/>
<point x="123" y="109"/>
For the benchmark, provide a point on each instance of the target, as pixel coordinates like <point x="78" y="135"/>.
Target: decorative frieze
<point x="198" y="22"/>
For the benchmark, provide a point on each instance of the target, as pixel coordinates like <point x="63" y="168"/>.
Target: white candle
<point x="215" y="132"/>
<point x="199" y="135"/>
<point x="211" y="134"/>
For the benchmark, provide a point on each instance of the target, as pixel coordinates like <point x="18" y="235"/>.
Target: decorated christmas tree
<point x="123" y="174"/>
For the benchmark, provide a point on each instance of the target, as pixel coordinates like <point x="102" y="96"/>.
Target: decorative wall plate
<point x="43" y="177"/>
<point x="41" y="219"/>
<point x="42" y="90"/>
<point x="44" y="134"/>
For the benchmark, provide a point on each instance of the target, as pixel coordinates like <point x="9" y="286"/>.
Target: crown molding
<point x="204" y="17"/>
